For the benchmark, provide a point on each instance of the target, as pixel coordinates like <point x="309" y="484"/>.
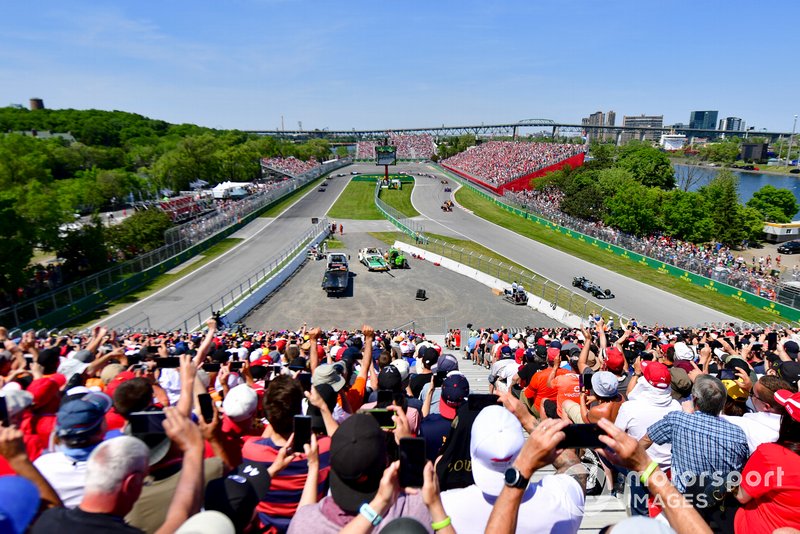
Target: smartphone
<point x="236" y="366"/>
<point x="206" y="407"/>
<point x="412" y="462"/>
<point x="170" y="362"/>
<point x="772" y="341"/>
<point x="384" y="418"/>
<point x="727" y="374"/>
<point x="302" y="432"/>
<point x="385" y="398"/>
<point x="478" y="401"/>
<point x="305" y="381"/>
<point x="438" y="380"/>
<point x="580" y="381"/>
<point x="147" y="422"/>
<point x="152" y="349"/>
<point x="582" y="437"/>
<point x="211" y="367"/>
<point x="4" y="419"/>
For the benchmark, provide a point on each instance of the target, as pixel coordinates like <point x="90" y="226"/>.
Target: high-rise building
<point x="642" y="121"/>
<point x="599" y="119"/>
<point x="703" y="120"/>
<point x="732" y="123"/>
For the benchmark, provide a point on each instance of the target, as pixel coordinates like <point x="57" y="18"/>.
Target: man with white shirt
<point x="502" y="370"/>
<point x="762" y="425"/>
<point x="649" y="400"/>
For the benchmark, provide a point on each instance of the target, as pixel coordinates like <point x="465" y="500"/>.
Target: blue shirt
<point x="701" y="443"/>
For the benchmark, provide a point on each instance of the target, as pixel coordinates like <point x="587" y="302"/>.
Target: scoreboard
<point x="385" y="155"/>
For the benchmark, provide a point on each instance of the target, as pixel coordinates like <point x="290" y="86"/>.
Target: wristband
<point x="647" y="472"/>
<point x="371" y="515"/>
<point x="439" y="525"/>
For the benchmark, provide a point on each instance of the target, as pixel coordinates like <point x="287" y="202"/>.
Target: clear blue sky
<point x="386" y="63"/>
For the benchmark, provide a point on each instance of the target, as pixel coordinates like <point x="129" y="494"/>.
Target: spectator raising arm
<point x="12" y="448"/>
<point x="314" y="356"/>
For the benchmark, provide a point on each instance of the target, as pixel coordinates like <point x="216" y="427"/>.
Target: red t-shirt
<point x="538" y="390"/>
<point x="772" y="478"/>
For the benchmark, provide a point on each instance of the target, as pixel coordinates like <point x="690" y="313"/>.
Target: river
<point x="749" y="182"/>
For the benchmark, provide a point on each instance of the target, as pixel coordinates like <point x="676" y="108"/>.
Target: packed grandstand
<point x="408" y="146"/>
<point x="499" y="162"/>
<point x="291" y="165"/>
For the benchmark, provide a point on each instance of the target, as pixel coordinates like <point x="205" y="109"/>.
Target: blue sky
<point x="392" y="64"/>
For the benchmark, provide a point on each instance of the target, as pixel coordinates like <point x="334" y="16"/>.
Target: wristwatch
<point x="371" y="515"/>
<point x="514" y="478"/>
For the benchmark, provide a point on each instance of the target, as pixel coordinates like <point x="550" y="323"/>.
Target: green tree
<point x="775" y="205"/>
<point x="721" y="152"/>
<point x="18" y="241"/>
<point x="141" y="232"/>
<point x="721" y="196"/>
<point x="648" y="165"/>
<point x="341" y="151"/>
<point x="635" y="210"/>
<point x="602" y="155"/>
<point x="582" y="197"/>
<point x="83" y="249"/>
<point x="686" y="216"/>
<point x="753" y="224"/>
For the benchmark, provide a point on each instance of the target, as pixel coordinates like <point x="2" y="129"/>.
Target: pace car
<point x="373" y="259"/>
<point x="590" y="287"/>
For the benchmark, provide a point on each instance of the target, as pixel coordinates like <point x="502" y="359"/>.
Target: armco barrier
<point x="779" y="310"/>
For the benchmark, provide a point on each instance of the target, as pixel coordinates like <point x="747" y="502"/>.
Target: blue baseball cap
<point x="82" y="415"/>
<point x="19" y="502"/>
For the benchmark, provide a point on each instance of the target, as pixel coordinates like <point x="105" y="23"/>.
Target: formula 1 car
<point x="373" y="259"/>
<point x="592" y="288"/>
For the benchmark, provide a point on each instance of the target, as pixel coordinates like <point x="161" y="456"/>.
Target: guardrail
<point x="405" y="224"/>
<point x="236" y="294"/>
<point x="764" y="304"/>
<point x="70" y="302"/>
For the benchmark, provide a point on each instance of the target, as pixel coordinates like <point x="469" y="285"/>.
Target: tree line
<point x="632" y="188"/>
<point x="45" y="182"/>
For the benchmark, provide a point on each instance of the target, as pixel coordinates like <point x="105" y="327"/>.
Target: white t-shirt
<point x="636" y="416"/>
<point x="504" y="370"/>
<point x="554" y="504"/>
<point x="759" y="427"/>
<point x="67" y="476"/>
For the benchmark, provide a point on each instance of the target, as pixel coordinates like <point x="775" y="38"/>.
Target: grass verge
<point x="154" y="285"/>
<point x="281" y="206"/>
<point x="487" y="210"/>
<point x="333" y="243"/>
<point x="400" y="199"/>
<point x="356" y="202"/>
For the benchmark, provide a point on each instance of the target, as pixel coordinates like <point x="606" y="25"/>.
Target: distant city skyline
<point x="365" y="65"/>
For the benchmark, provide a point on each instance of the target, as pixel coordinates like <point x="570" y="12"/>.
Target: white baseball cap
<point x="240" y="402"/>
<point x="497" y="438"/>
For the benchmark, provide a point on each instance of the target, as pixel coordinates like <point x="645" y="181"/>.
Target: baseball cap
<point x="19" y="502"/>
<point x="615" y="361"/>
<point x="402" y="366"/>
<point x="496" y="440"/>
<point x="429" y="357"/>
<point x="790" y="402"/>
<point x="734" y="390"/>
<point x="683" y="352"/>
<point x="789" y="371"/>
<point x="657" y="374"/>
<point x="71" y="366"/>
<point x="792" y="349"/>
<point x="505" y="351"/>
<point x="240" y="402"/>
<point x="604" y="384"/>
<point x="83" y="415"/>
<point x="328" y="374"/>
<point x="447" y="363"/>
<point x="389" y="378"/>
<point x="329" y="396"/>
<point x="110" y="371"/>
<point x="207" y="522"/>
<point x="17" y="400"/>
<point x="681" y="383"/>
<point x="552" y="354"/>
<point x="238" y="494"/>
<point x="455" y="390"/>
<point x="358" y="459"/>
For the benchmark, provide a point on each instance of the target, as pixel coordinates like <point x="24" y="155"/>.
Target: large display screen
<point x="385" y="155"/>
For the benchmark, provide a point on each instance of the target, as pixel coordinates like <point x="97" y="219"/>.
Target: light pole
<point x="789" y="153"/>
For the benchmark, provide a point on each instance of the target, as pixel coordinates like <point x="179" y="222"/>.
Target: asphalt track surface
<point x="646" y="303"/>
<point x="264" y="239"/>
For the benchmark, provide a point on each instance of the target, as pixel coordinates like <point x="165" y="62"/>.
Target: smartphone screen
<point x="302" y="432"/>
<point x="478" y="401"/>
<point x="206" y="407"/>
<point x="412" y="462"/>
<point x="236" y="366"/>
<point x="170" y="362"/>
<point x="582" y="436"/>
<point x="305" y="381"/>
<point x="4" y="419"/>
<point x="147" y="422"/>
<point x="438" y="380"/>
<point x="772" y="341"/>
<point x="384" y="418"/>
<point x="211" y="367"/>
<point x="385" y="398"/>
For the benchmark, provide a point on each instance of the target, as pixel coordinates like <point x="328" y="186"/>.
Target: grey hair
<point x="709" y="394"/>
<point x="113" y="461"/>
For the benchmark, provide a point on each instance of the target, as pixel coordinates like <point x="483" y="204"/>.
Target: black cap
<point x="238" y="494"/>
<point x="390" y="378"/>
<point x="329" y="396"/>
<point x="358" y="459"/>
<point x="429" y="357"/>
<point x="789" y="371"/>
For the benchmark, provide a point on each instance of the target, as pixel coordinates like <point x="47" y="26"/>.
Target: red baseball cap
<point x="656" y="374"/>
<point x="552" y="354"/>
<point x="615" y="361"/>
<point x="790" y="402"/>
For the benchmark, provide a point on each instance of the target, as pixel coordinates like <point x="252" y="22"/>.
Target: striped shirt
<point x="279" y="504"/>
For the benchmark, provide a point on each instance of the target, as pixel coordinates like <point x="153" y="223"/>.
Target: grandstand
<point x="290" y="166"/>
<point x="408" y="147"/>
<point x="185" y="207"/>
<point x="504" y="165"/>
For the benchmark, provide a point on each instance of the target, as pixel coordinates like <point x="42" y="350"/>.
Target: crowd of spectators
<point x="291" y="165"/>
<point x="760" y="276"/>
<point x="420" y="146"/>
<point x="499" y="162"/>
<point x="334" y="431"/>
